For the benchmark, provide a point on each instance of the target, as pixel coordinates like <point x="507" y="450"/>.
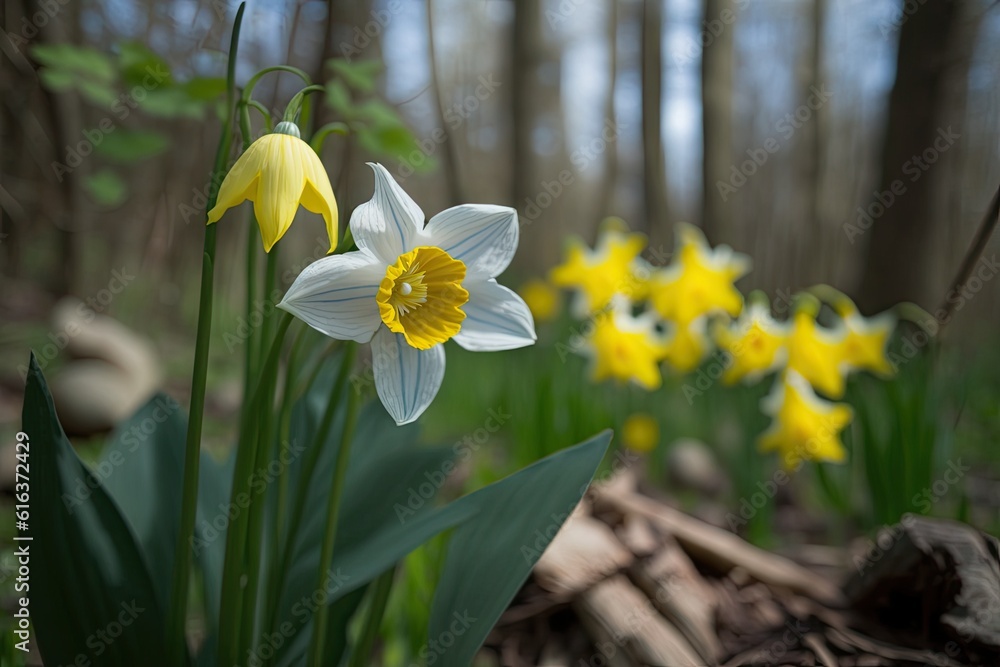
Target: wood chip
<point x="584" y="552"/>
<point x="724" y="550"/>
<point x="630" y="626"/>
<point x="678" y="591"/>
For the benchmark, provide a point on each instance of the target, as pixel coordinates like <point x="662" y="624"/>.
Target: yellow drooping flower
<point x="688" y="345"/>
<point x="755" y="344"/>
<point x="866" y="341"/>
<point x="816" y="353"/>
<point x="699" y="281"/>
<point x="641" y="433"/>
<point x="542" y="299"/>
<point x="804" y="426"/>
<point x="625" y="347"/>
<point x="613" y="267"/>
<point x="278" y="172"/>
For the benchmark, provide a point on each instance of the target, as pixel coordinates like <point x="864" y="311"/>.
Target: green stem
<point x="268" y="123"/>
<point x="255" y="79"/>
<point x="295" y="104"/>
<point x="284" y="431"/>
<point x="251" y="350"/>
<point x="255" y="526"/>
<point x="270" y="279"/>
<point x="176" y="639"/>
<point x="276" y="577"/>
<point x="360" y="656"/>
<point x="332" y="522"/>
<point x="235" y="565"/>
<point x="322" y="133"/>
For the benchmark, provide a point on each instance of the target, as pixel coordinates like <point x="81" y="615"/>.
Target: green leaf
<point x="89" y="62"/>
<point x="215" y="481"/>
<point x="205" y="88"/>
<point x="89" y="572"/>
<point x="491" y="556"/>
<point x="138" y="62"/>
<point x="359" y="75"/>
<point x="127" y="146"/>
<point x="97" y="93"/>
<point x="143" y="470"/>
<point x="386" y="470"/>
<point x="57" y="80"/>
<point x="172" y="103"/>
<point x="339" y="98"/>
<point x="106" y="188"/>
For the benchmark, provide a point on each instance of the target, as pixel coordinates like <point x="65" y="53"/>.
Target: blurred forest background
<point x="852" y="142"/>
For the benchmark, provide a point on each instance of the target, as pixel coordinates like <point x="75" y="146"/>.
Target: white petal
<point x="336" y="295"/>
<point x="481" y="235"/>
<point x="388" y="224"/>
<point x="407" y="379"/>
<point x="495" y="319"/>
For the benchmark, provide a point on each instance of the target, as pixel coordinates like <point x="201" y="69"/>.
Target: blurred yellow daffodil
<point x="613" y="267"/>
<point x="699" y="281"/>
<point x="804" y="426"/>
<point x="864" y="345"/>
<point x="815" y="353"/>
<point x="278" y="172"/>
<point x="641" y="433"/>
<point x="755" y="344"/>
<point x="625" y="347"/>
<point x="542" y="299"/>
<point x="688" y="345"/>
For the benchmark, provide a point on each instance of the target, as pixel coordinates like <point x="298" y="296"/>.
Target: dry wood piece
<point x="724" y="550"/>
<point x="618" y="611"/>
<point x="671" y="581"/>
<point x="584" y="552"/>
<point x="939" y="577"/>
<point x="630" y="582"/>
<point x="637" y="533"/>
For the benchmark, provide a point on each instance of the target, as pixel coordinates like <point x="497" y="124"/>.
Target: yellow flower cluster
<point x="639" y="316"/>
<point x="812" y="359"/>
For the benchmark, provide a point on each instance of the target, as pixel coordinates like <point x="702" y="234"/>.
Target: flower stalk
<point x="176" y="641"/>
<point x="318" y="638"/>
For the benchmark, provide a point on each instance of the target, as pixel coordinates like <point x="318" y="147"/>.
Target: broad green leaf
<point x="491" y="556"/>
<point x="215" y="481"/>
<point x="106" y="188"/>
<point x="143" y="470"/>
<point x="91" y="575"/>
<point x="382" y="507"/>
<point x="127" y="146"/>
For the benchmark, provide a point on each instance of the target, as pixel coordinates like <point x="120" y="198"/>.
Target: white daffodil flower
<point x="411" y="287"/>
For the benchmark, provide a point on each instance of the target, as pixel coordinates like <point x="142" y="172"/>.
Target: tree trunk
<point x="449" y="156"/>
<point x="654" y="173"/>
<point x="527" y="53"/>
<point x="609" y="177"/>
<point x="898" y="219"/>
<point x="717" y="123"/>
